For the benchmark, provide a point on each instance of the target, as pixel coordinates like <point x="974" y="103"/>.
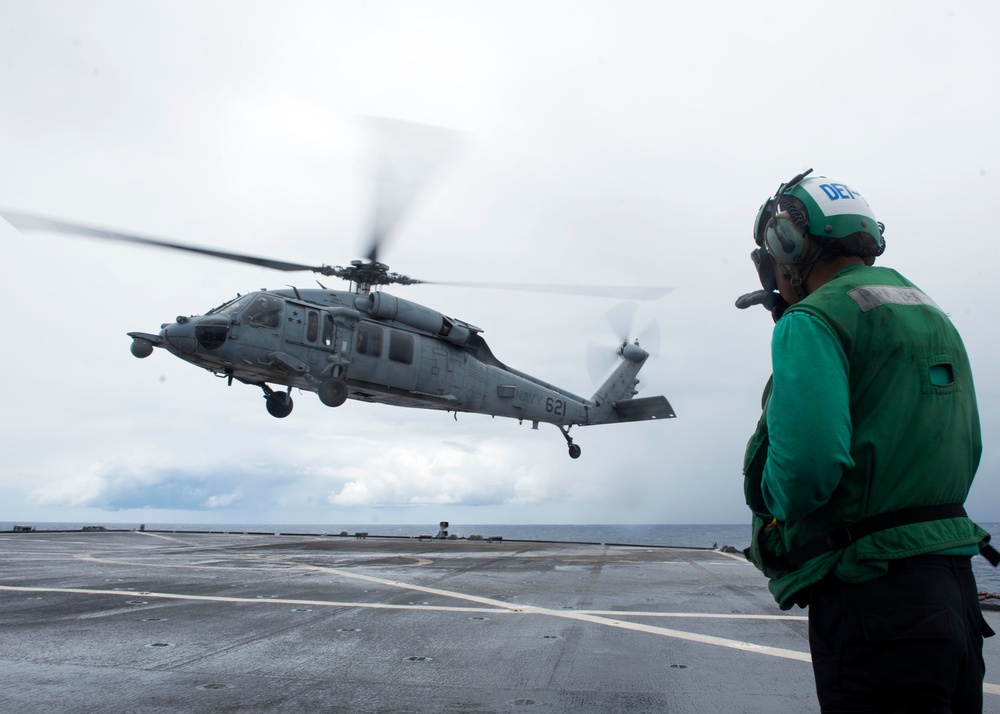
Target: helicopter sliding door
<point x="401" y="359"/>
<point x="316" y="331"/>
<point x="385" y="356"/>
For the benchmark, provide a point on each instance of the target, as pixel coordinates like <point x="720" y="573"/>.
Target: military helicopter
<point x="369" y="345"/>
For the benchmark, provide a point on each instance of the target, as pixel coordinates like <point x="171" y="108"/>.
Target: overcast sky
<point x="602" y="142"/>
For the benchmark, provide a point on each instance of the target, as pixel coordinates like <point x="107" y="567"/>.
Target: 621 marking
<point x="555" y="406"/>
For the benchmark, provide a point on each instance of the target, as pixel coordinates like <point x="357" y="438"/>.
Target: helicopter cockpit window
<point x="234" y="306"/>
<point x="370" y="340"/>
<point x="401" y="347"/>
<point x="264" y="311"/>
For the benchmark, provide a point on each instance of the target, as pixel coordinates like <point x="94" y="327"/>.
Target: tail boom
<point x="613" y="401"/>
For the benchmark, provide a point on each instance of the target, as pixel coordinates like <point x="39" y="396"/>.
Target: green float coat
<point x="872" y="410"/>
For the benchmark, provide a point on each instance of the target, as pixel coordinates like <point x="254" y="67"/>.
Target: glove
<point x="771" y="301"/>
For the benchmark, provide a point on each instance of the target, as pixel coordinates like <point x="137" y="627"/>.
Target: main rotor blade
<point x="406" y="156"/>
<point x="624" y="292"/>
<point x="33" y="222"/>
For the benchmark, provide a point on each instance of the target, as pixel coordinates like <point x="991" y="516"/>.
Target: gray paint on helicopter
<point x="275" y="337"/>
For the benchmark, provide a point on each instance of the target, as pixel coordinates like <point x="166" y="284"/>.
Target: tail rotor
<point x="622" y="319"/>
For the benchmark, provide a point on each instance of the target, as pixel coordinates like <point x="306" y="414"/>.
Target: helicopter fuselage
<point x="376" y="347"/>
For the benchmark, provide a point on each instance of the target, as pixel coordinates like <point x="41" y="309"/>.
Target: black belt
<point x="842" y="537"/>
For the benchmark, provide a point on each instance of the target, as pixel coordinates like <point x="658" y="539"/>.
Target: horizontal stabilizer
<point x="644" y="409"/>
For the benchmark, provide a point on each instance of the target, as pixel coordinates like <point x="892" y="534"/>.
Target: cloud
<point x="121" y="486"/>
<point x="450" y="474"/>
<point x="225" y="500"/>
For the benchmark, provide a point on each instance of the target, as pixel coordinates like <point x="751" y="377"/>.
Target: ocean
<point x="697" y="536"/>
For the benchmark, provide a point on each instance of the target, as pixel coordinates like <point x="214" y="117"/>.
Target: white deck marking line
<point x="500" y="609"/>
<point x="157" y="535"/>
<point x="273" y="600"/>
<point x="95" y="558"/>
<point x="499" y="604"/>
<point x="582" y="616"/>
<point x="493" y="606"/>
<point x="595" y="619"/>
<point x="693" y="615"/>
<point x="587" y="617"/>
<point x="689" y="636"/>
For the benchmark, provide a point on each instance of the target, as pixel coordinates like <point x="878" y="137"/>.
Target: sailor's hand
<point x="757" y="297"/>
<point x="772" y="301"/>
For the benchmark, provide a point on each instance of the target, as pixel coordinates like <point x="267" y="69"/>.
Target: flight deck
<point x="141" y="621"/>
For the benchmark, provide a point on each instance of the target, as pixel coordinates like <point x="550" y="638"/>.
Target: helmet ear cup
<point x="785" y="240"/>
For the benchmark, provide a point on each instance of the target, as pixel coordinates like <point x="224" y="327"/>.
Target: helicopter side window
<point x="312" y="326"/>
<point x="401" y="347"/>
<point x="327" y="330"/>
<point x="264" y="311"/>
<point x="370" y="340"/>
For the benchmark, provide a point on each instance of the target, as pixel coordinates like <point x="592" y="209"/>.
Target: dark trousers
<point x="910" y="641"/>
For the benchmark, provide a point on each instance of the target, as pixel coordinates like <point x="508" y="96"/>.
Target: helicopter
<point x="369" y="345"/>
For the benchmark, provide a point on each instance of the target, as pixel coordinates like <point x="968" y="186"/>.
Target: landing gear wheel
<point x="574" y="450"/>
<point x="333" y="392"/>
<point x="279" y="404"/>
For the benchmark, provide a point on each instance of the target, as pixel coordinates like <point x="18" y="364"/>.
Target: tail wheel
<point x="574" y="449"/>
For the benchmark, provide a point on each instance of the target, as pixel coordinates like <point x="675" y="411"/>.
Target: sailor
<point x="862" y="460"/>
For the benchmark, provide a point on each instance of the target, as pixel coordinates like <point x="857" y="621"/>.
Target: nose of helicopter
<point x="186" y="334"/>
<point x="180" y="334"/>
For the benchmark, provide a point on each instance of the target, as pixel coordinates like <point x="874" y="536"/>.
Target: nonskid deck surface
<point x="166" y="622"/>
